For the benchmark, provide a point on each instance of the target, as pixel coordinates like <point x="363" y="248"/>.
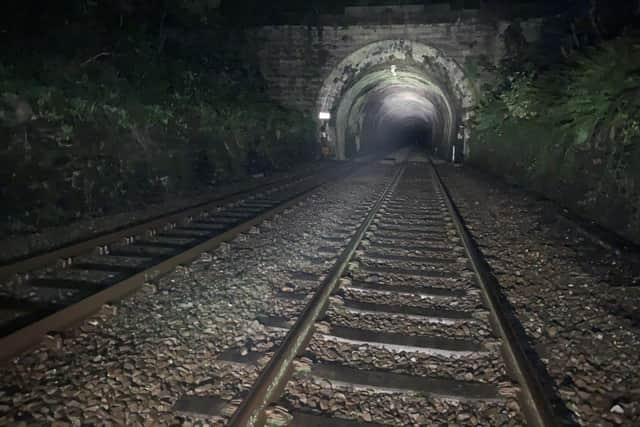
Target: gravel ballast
<point x="577" y="300"/>
<point x="130" y="364"/>
<point x="20" y="245"/>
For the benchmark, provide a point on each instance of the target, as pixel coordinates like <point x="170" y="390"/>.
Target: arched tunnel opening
<point x="393" y="116"/>
<point x="392" y="94"/>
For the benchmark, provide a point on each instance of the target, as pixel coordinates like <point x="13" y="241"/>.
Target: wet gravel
<point x="577" y="300"/>
<point x="131" y="363"/>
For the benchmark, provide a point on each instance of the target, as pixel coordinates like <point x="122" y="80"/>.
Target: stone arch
<point x="416" y="65"/>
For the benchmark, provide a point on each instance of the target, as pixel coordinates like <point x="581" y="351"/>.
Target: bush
<point x="106" y="134"/>
<point x="572" y="133"/>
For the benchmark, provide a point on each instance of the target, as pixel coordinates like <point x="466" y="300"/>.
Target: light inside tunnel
<point x="375" y="113"/>
<point x="397" y="115"/>
<point x="395" y="92"/>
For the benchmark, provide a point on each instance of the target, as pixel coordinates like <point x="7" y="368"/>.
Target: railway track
<point x="405" y="329"/>
<point x="49" y="292"/>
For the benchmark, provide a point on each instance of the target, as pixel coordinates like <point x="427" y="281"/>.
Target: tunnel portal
<point x="369" y="79"/>
<point x="386" y="86"/>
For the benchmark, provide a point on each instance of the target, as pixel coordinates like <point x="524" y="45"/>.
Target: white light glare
<point x="393" y="71"/>
<point x="324" y="115"/>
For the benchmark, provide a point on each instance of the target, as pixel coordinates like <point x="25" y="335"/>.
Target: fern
<point x="575" y="97"/>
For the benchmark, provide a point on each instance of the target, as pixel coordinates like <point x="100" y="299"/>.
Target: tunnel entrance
<point x="391" y="93"/>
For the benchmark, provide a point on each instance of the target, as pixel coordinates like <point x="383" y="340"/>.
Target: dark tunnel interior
<point x="394" y="118"/>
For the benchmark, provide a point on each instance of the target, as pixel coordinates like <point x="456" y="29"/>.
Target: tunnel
<point x="392" y="93"/>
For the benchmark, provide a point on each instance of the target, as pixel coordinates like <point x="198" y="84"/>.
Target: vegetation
<point x="571" y="132"/>
<point x="146" y="103"/>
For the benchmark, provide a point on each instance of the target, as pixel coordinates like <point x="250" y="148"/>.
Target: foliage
<point x="571" y="132"/>
<point x="576" y="97"/>
<point x="520" y="97"/>
<point x="112" y="131"/>
<point x="596" y="82"/>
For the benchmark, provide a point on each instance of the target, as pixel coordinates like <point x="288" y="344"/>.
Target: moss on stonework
<point x="571" y="133"/>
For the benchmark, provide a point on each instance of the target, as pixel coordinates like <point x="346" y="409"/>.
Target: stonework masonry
<point x="295" y="60"/>
<point x="310" y="68"/>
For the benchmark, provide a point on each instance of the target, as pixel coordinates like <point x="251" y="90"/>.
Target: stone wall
<point x="295" y="60"/>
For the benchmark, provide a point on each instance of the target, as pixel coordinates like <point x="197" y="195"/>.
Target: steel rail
<point x="31" y="263"/>
<point x="537" y="407"/>
<point x="29" y="336"/>
<point x="274" y="377"/>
